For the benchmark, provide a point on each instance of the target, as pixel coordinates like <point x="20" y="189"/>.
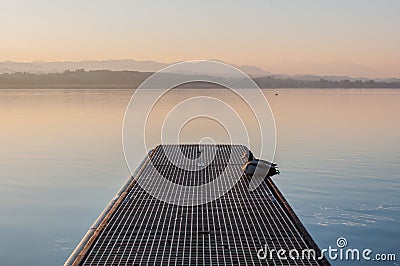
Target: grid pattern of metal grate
<point x="226" y="231"/>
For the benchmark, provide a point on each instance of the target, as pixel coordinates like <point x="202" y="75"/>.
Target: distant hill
<point x="41" y="67"/>
<point x="59" y="67"/>
<point x="132" y="79"/>
<point x="338" y="68"/>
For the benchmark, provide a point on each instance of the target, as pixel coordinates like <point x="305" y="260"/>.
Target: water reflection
<point x="61" y="161"/>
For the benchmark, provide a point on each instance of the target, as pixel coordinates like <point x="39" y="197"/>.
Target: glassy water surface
<point x="61" y="161"/>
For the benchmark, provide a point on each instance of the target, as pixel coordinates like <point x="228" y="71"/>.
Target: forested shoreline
<point x="132" y="79"/>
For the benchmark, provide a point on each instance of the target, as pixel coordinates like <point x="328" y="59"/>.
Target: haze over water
<point x="61" y="161"/>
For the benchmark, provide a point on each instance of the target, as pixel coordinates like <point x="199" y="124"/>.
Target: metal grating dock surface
<point x="227" y="231"/>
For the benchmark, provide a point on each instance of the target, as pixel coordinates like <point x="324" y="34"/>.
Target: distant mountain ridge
<point x="81" y="78"/>
<point x="42" y="67"/>
<point x="39" y="67"/>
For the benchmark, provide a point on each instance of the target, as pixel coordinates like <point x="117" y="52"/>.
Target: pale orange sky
<point x="281" y="36"/>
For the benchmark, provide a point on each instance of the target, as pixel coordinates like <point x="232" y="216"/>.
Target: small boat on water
<point x="258" y="167"/>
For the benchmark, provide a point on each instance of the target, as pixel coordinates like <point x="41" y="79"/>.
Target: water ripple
<point x="63" y="244"/>
<point x="358" y="216"/>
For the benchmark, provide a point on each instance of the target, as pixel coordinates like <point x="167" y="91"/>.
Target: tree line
<point x="132" y="79"/>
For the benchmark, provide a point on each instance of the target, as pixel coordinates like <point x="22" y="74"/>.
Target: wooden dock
<point x="138" y="229"/>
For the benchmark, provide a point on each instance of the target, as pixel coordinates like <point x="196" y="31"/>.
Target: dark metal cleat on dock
<point x="257" y="167"/>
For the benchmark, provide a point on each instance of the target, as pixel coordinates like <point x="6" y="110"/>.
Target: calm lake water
<point x="61" y="161"/>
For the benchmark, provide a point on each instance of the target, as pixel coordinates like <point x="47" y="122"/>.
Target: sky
<point x="355" y="37"/>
